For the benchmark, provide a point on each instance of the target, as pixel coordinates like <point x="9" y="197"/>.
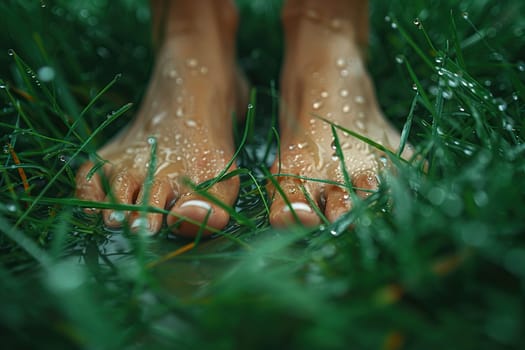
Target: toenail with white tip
<point x="298" y="206"/>
<point x="196" y="203"/>
<point x="142" y="223"/>
<point x="117" y="216"/>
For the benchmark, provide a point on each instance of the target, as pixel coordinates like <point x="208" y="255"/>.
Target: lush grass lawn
<point x="432" y="260"/>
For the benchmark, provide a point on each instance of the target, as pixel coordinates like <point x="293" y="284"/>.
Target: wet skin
<point x="188" y="110"/>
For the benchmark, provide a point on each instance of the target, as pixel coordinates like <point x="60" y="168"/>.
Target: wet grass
<point x="432" y="260"/>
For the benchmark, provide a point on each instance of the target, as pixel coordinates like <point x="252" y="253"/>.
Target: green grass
<point x="432" y="260"/>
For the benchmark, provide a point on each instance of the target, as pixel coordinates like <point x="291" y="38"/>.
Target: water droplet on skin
<point x="343" y="93"/>
<point x="192" y="62"/>
<point x="346" y="108"/>
<point x="341" y="63"/>
<point x="191" y="123"/>
<point x="324" y="94"/>
<point x="317" y="105"/>
<point x="360" y="99"/>
<point x="302" y="145"/>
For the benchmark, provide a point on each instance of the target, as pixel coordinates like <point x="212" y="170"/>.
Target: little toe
<point x="297" y="210"/>
<point x="89" y="188"/>
<point x="160" y="193"/>
<point x="124" y="188"/>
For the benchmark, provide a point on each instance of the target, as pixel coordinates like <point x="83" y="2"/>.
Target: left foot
<point x="324" y="76"/>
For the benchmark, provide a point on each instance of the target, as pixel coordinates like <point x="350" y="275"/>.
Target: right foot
<point x="188" y="108"/>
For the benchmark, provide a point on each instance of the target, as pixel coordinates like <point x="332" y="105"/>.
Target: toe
<point x="161" y="193"/>
<point x="295" y="209"/>
<point x="194" y="214"/>
<point x="365" y="183"/>
<point x="124" y="188"/>
<point x="89" y="188"/>
<point x="338" y="202"/>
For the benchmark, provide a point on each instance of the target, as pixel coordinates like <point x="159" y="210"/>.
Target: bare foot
<point x="324" y="76"/>
<point x="188" y="109"/>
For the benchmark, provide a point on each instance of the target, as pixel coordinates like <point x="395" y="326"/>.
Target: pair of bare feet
<point x="195" y="88"/>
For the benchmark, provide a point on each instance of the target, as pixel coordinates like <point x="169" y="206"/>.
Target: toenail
<point x="196" y="203"/>
<point x="298" y="206"/>
<point x="142" y="223"/>
<point x="116" y="216"/>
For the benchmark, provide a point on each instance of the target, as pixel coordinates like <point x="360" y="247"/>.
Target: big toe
<point x="294" y="209"/>
<point x="194" y="215"/>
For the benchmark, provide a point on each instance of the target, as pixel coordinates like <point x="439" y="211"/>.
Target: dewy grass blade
<point x="407" y="127"/>
<point x="341" y="156"/>
<point x="91" y="103"/>
<point x="101" y="127"/>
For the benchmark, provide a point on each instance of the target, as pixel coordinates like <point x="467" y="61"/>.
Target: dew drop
<point x="439" y="59"/>
<point x="152" y="140"/>
<point x="400" y="59"/>
<point x="515" y="96"/>
<point x="317" y="104"/>
<point x="344" y="73"/>
<point x="341" y="62"/>
<point x="394" y="25"/>
<point x="418" y="24"/>
<point x="521" y="66"/>
<point x="191" y="123"/>
<point x="360" y="99"/>
<point x="6" y="149"/>
<point x="179" y="81"/>
<point x="346" y="108"/>
<point x="465" y="15"/>
<point x="204" y="70"/>
<point x="335" y="157"/>
<point x="46" y="73"/>
<point x="10" y="52"/>
<point x="343" y="93"/>
<point x="324" y="94"/>
<point x="180" y="112"/>
<point x="250" y="106"/>
<point x="192" y="62"/>
<point x="414" y="87"/>
<point x="62" y="158"/>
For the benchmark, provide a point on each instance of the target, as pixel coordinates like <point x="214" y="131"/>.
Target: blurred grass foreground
<point x="430" y="261"/>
